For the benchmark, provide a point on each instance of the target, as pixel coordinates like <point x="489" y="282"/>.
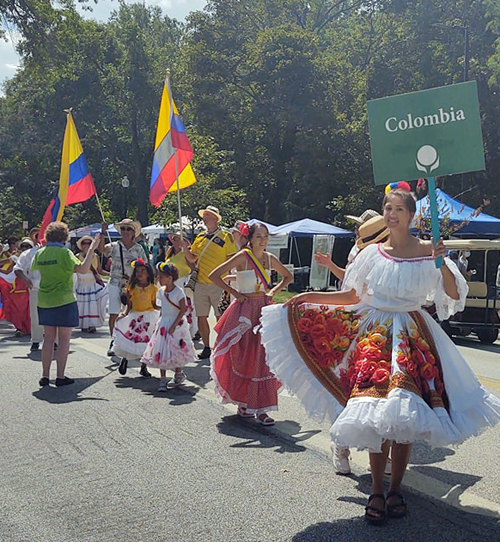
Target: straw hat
<point x="181" y="234"/>
<point x="131" y="224"/>
<point x="372" y="231"/>
<point x="210" y="209"/>
<point x="82" y="239"/>
<point x="27" y="241"/>
<point x="366" y="215"/>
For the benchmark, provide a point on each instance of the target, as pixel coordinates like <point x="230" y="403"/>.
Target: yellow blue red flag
<point x="75" y="181"/>
<point x="173" y="152"/>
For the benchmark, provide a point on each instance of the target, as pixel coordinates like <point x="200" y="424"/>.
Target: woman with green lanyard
<point x="175" y="256"/>
<point x="57" y="306"/>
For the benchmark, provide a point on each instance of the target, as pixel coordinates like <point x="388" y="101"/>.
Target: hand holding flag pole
<point x="434" y="216"/>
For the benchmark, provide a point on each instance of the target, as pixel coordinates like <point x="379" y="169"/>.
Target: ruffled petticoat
<point x="165" y="351"/>
<point x="92" y="299"/>
<point x="238" y="365"/>
<point x="133" y="332"/>
<point x="376" y="375"/>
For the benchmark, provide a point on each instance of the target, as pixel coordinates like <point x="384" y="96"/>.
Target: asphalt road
<point x="111" y="459"/>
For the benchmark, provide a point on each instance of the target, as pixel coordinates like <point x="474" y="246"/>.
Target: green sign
<point x="428" y="133"/>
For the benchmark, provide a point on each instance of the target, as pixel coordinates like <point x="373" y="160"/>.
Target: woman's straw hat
<point x="372" y="231"/>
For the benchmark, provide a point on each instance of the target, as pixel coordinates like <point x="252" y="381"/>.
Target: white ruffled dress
<point x="382" y="369"/>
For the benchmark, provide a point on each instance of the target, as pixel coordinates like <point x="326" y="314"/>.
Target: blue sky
<point x="176" y="9"/>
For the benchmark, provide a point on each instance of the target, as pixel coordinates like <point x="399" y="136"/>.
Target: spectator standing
<point x="209" y="250"/>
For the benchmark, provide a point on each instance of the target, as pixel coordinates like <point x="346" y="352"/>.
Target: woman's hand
<point x="171" y="330"/>
<point x="322" y="259"/>
<point x="295" y="300"/>
<point x="439" y="250"/>
<point x="241" y="298"/>
<point x="95" y="242"/>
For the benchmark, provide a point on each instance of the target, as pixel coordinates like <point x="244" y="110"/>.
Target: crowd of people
<point x="367" y="357"/>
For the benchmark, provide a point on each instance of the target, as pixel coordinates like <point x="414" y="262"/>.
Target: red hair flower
<point x="244" y="229"/>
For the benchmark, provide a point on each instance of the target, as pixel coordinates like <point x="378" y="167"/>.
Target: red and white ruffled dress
<point x="382" y="369"/>
<point x="166" y="351"/>
<point x="238" y="365"/>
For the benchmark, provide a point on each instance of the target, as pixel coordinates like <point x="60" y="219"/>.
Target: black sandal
<point x="398" y="510"/>
<point x="378" y="519"/>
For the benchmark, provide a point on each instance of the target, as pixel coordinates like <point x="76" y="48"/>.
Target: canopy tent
<point x="270" y="227"/>
<point x="112" y="231"/>
<point x="307" y="228"/>
<point x="85" y="230"/>
<point x="456" y="212"/>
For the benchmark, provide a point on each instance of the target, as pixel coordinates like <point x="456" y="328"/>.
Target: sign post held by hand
<point x="432" y="132"/>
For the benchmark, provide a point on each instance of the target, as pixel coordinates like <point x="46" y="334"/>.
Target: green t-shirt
<point x="56" y="265"/>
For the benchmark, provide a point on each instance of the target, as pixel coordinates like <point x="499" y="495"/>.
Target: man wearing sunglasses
<point x="22" y="270"/>
<point x="122" y="253"/>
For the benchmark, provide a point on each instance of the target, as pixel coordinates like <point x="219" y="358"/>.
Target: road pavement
<point x="110" y="459"/>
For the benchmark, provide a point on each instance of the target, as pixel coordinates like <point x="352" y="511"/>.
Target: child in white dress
<point x="133" y="328"/>
<point x="170" y="346"/>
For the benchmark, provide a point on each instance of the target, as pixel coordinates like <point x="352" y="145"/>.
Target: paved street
<point x="110" y="459"/>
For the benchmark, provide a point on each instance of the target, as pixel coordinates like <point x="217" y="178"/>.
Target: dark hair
<point x="253" y="229"/>
<point x="133" y="282"/>
<point x="11" y="240"/>
<point x="168" y="269"/>
<point x="407" y="197"/>
<point x="57" y="232"/>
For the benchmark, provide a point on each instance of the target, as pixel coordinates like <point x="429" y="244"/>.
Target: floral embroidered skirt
<point x="132" y="333"/>
<point x="376" y="375"/>
<point x="166" y="351"/>
<point x="15" y="304"/>
<point x="238" y="365"/>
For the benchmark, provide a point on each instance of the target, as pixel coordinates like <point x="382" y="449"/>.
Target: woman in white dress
<point x="91" y="292"/>
<point x="377" y="364"/>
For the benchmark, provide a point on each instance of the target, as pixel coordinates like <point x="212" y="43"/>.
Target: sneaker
<point x="197" y="336"/>
<point x="44" y="381"/>
<point x="162" y="386"/>
<point x="205" y="354"/>
<point x="91" y="329"/>
<point x="144" y="371"/>
<point x="35" y="346"/>
<point x="111" y="352"/>
<point x="341" y="456"/>
<point x="178" y="380"/>
<point x="18" y="333"/>
<point x="123" y="366"/>
<point x="64" y="381"/>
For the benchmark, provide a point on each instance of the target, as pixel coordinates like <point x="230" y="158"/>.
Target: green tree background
<point x="272" y="93"/>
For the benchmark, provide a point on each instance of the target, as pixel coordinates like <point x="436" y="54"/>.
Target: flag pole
<point x="175" y="158"/>
<point x="178" y="195"/>
<point x="102" y="214"/>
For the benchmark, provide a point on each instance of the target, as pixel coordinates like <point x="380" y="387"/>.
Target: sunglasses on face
<point x="25" y="246"/>
<point x="126" y="229"/>
<point x="86" y="243"/>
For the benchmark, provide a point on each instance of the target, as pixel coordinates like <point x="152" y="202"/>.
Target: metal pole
<point x="178" y="194"/>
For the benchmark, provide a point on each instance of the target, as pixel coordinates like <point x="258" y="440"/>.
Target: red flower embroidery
<point x="380" y="376"/>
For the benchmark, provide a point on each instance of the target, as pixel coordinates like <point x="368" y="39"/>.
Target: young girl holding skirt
<point x="170" y="346"/>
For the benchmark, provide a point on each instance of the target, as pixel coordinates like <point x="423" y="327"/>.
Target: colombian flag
<point x="75" y="181"/>
<point x="173" y="152"/>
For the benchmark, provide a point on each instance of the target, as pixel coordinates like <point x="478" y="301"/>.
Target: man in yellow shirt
<point x="208" y="251"/>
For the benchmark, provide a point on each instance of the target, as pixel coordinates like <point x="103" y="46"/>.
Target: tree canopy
<point x="272" y="93"/>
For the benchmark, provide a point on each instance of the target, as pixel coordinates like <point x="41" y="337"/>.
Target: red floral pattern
<point x="327" y="333"/>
